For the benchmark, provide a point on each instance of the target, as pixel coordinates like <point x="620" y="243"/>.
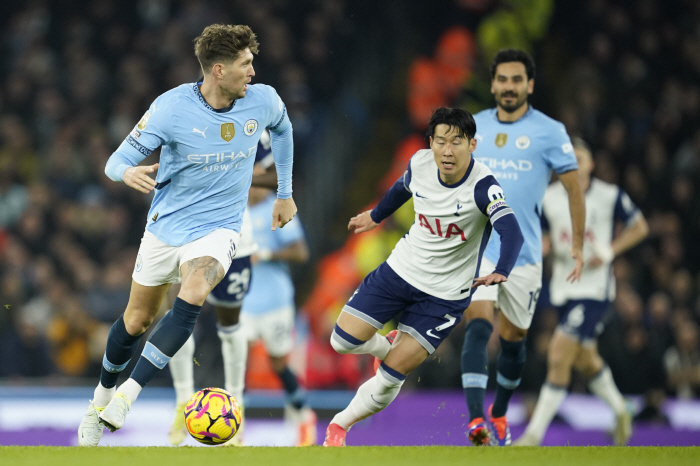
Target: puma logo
<point x="200" y="131"/>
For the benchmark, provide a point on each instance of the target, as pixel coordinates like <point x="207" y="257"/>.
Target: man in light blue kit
<point x="521" y="146"/>
<point x="269" y="316"/>
<point x="227" y="299"/>
<point x="209" y="133"/>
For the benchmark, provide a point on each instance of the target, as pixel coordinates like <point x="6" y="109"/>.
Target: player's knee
<point x="339" y="347"/>
<point x="342" y="342"/>
<point x="137" y="323"/>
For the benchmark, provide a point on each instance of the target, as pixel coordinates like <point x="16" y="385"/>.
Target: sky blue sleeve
<point x="625" y="209"/>
<point x="151" y="132"/>
<point x="491" y="200"/>
<point x="559" y="153"/>
<point x="397" y="196"/>
<point x="282" y="145"/>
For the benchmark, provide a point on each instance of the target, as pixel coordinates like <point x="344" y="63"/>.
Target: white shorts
<point x="517" y="297"/>
<point x="158" y="263"/>
<point x="274" y="328"/>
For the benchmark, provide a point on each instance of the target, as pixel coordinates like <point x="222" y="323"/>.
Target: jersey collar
<point x="204" y="102"/>
<point x="527" y="113"/>
<point x="460" y="182"/>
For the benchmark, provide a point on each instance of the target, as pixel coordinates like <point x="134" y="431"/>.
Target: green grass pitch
<point x="351" y="456"/>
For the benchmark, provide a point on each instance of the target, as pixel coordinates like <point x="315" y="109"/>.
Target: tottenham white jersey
<point x="605" y="203"/>
<point x="442" y="250"/>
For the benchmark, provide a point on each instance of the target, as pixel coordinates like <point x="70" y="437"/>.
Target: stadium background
<point x="360" y="79"/>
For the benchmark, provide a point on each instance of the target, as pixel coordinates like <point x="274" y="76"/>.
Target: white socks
<point x="548" y="404"/>
<point x="372" y="396"/>
<point x="182" y="371"/>
<point x="131" y="389"/>
<point x="234" y="348"/>
<point x="103" y="395"/>
<point x="603" y="386"/>
<point x="378" y="346"/>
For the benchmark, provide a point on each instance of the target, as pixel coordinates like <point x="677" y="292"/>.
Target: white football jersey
<point x="440" y="253"/>
<point x="605" y="203"/>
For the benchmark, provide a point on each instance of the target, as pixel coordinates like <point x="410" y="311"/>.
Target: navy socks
<point x="510" y="366"/>
<point x="475" y="365"/>
<point x="167" y="338"/>
<point x="120" y="348"/>
<point x="296" y="396"/>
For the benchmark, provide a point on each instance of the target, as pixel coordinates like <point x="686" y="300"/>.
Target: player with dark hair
<point x="209" y="132"/>
<point x="430" y="275"/>
<point x="521" y="146"/>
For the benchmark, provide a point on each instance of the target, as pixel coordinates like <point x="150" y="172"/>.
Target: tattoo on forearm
<point x="210" y="269"/>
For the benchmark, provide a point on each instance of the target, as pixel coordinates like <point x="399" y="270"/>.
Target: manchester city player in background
<point x="209" y="132"/>
<point x="431" y="273"/>
<point x="521" y="146"/>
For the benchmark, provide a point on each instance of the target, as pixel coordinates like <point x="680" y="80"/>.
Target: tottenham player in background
<point x="430" y="275"/>
<point x="521" y="146"/>
<point x="581" y="306"/>
<point x="209" y="132"/>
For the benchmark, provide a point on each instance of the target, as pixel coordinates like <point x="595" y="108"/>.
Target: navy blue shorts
<point x="383" y="295"/>
<point x="234" y="286"/>
<point x="580" y="317"/>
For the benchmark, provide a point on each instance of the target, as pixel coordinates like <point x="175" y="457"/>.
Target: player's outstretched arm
<point x="631" y="236"/>
<point x="491" y="279"/>
<point x="577" y="207"/>
<point x="362" y="222"/>
<point x="137" y="178"/>
<point x="283" y="211"/>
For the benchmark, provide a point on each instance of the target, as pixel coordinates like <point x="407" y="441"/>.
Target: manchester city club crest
<point x="250" y="127"/>
<point x="523" y="142"/>
<point x="501" y="139"/>
<point x="228" y="131"/>
<point x="139" y="263"/>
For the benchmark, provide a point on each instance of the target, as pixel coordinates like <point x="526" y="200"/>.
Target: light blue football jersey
<point x="207" y="158"/>
<point x="521" y="156"/>
<point x="271" y="286"/>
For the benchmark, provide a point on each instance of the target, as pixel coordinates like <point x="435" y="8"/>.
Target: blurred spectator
<point x="682" y="361"/>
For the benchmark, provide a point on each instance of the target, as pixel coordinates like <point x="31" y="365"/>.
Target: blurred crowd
<point x="625" y="76"/>
<point x="75" y="77"/>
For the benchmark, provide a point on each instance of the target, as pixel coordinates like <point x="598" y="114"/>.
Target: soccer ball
<point x="212" y="416"/>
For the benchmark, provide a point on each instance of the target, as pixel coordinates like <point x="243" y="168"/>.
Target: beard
<point x="512" y="107"/>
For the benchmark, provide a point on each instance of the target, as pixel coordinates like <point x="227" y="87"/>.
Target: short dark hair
<point x="456" y="118"/>
<point x="223" y="43"/>
<point x="511" y="55"/>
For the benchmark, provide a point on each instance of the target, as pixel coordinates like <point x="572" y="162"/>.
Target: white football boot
<point x="90" y="429"/>
<point x="115" y="412"/>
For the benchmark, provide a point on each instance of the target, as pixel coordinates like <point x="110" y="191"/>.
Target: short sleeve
<point x="153" y="130"/>
<point x="625" y="210"/>
<point x="490" y="198"/>
<point x="559" y="152"/>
